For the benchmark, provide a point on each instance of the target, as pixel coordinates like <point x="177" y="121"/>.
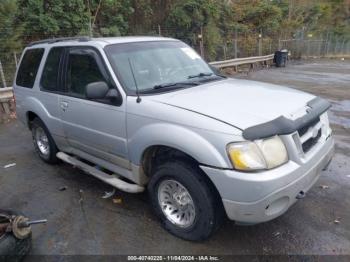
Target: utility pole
<point x="224" y="49"/>
<point x="336" y="45"/>
<point x="90" y="28"/>
<point x="90" y="21"/>
<point x="235" y="42"/>
<point x="15" y="57"/>
<point x="342" y="46"/>
<point x="327" y="43"/>
<point x="159" y="31"/>
<point x="279" y="44"/>
<point x="320" y="42"/>
<point x="201" y="44"/>
<point x="290" y="8"/>
<point x="260" y="43"/>
<point x="2" y="76"/>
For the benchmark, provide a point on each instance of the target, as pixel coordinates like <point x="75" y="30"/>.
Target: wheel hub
<point x="176" y="203"/>
<point x="42" y="141"/>
<point x="181" y="198"/>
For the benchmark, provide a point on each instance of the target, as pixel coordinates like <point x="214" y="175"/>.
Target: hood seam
<point x="201" y="114"/>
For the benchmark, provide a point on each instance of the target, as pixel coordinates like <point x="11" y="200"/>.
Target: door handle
<point x="64" y="105"/>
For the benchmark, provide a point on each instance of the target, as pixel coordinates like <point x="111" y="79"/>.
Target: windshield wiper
<point x="200" y="75"/>
<point x="177" y="84"/>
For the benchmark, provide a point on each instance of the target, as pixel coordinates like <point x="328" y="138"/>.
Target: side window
<point x="49" y="78"/>
<point x="29" y="67"/>
<point x="82" y="70"/>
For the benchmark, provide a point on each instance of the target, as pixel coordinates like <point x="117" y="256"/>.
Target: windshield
<point x="154" y="65"/>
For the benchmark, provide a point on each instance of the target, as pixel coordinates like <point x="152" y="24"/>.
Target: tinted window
<point x="82" y="70"/>
<point x="29" y="67"/>
<point x="49" y="79"/>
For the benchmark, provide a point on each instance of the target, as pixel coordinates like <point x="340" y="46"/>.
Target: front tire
<point x="43" y="142"/>
<point x="185" y="201"/>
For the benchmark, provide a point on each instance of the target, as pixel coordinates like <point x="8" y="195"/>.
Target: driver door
<point x="93" y="127"/>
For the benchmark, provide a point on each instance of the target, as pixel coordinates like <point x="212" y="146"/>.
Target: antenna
<point x="138" y="100"/>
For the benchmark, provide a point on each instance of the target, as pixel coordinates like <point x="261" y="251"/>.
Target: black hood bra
<point x="284" y="126"/>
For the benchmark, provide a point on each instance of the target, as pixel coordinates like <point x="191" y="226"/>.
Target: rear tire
<point x="43" y="142"/>
<point x="181" y="176"/>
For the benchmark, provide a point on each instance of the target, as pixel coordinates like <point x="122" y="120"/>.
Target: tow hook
<point x="301" y="195"/>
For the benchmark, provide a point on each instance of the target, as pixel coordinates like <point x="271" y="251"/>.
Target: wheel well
<point x="155" y="155"/>
<point x="30" y="117"/>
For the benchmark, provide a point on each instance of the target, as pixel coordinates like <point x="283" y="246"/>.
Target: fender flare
<point x="177" y="137"/>
<point x="32" y="104"/>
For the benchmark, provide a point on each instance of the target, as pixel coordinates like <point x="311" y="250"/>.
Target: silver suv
<point x="148" y="112"/>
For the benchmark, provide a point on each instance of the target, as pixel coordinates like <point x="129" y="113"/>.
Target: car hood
<point x="237" y="102"/>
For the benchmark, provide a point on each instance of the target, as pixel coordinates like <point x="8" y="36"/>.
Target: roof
<point x="103" y="41"/>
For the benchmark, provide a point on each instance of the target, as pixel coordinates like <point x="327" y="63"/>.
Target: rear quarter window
<point x="28" y="68"/>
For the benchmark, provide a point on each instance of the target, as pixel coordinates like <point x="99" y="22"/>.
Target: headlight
<point x="260" y="154"/>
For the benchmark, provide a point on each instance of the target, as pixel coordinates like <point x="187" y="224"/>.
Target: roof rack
<point x="61" y="39"/>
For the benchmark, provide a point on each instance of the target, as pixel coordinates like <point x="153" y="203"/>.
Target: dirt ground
<point x="81" y="222"/>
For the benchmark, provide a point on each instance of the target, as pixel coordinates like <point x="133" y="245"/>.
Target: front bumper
<point x="252" y="198"/>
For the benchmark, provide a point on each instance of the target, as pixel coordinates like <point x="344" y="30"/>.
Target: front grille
<point x="308" y="144"/>
<point x="302" y="131"/>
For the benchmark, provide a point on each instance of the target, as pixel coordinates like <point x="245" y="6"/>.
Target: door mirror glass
<point x="96" y="90"/>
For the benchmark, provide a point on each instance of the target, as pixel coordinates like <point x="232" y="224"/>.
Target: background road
<point x="100" y="226"/>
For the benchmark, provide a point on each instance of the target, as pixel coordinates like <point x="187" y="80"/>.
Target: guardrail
<point x="6" y="96"/>
<point x="242" y="61"/>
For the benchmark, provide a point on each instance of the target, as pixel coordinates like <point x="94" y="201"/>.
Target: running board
<point x="108" y="179"/>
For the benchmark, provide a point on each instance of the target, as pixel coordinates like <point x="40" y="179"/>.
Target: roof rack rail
<point x="61" y="39"/>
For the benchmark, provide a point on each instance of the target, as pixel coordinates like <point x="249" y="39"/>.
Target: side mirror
<point x="215" y="70"/>
<point x="96" y="90"/>
<point x="112" y="94"/>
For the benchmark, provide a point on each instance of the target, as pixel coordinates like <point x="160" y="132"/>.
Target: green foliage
<point x="23" y="21"/>
<point x="10" y="37"/>
<point x="189" y="18"/>
<point x="10" y="32"/>
<point x="48" y="18"/>
<point x="111" y="17"/>
<point x="260" y="16"/>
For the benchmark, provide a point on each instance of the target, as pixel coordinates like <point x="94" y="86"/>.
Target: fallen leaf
<point x="117" y="200"/>
<point x="324" y="187"/>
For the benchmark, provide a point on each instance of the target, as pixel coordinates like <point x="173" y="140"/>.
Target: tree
<point x="110" y="17"/>
<point x="10" y="37"/>
<point x="49" y="18"/>
<point x="10" y="32"/>
<point x="23" y="21"/>
<point x="188" y="18"/>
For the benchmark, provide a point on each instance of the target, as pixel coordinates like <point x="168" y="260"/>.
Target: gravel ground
<point x="100" y="226"/>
